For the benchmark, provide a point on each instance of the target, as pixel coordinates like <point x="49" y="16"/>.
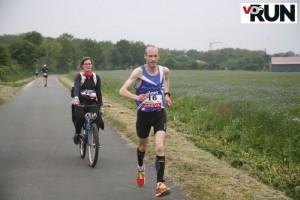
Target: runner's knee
<point x="159" y="148"/>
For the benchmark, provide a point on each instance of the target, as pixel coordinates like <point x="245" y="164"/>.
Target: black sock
<point x="160" y="168"/>
<point x="140" y="157"/>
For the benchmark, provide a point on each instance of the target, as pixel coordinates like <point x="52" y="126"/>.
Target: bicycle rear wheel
<point x="93" y="145"/>
<point x="82" y="146"/>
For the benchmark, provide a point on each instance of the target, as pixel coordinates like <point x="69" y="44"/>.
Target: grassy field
<point x="248" y="119"/>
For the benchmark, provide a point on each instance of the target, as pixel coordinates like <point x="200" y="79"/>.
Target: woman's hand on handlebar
<point x="101" y="111"/>
<point x="75" y="101"/>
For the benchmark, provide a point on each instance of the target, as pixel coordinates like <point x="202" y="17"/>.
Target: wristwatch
<point x="168" y="93"/>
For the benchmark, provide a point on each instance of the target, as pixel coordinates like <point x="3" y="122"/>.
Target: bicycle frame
<point x="89" y="119"/>
<point x="90" y="137"/>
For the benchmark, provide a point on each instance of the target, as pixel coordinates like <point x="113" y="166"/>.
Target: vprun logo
<point x="282" y="13"/>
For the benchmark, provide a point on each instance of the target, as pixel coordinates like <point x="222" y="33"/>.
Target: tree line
<point x="23" y="53"/>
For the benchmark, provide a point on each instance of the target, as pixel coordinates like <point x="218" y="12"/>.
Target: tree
<point x="33" y="37"/>
<point x="9" y="39"/>
<point x="98" y="57"/>
<point x="24" y="53"/>
<point x="137" y="51"/>
<point x="88" y="47"/>
<point x="193" y="54"/>
<point x="286" y="54"/>
<point x="4" y="56"/>
<point x="171" y="62"/>
<point x="123" y="47"/>
<point x="194" y="65"/>
<point x="68" y="56"/>
<point x="116" y="58"/>
<point x="107" y="48"/>
<point x="64" y="53"/>
<point x="52" y="51"/>
<point x="92" y="49"/>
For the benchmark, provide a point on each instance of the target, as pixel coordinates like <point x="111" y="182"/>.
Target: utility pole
<point x="211" y="45"/>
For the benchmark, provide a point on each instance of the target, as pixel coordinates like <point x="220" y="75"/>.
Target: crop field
<point x="249" y="119"/>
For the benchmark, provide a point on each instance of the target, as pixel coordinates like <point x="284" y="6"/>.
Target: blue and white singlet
<point x="154" y="86"/>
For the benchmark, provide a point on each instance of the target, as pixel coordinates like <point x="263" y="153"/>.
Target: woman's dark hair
<point x="85" y="59"/>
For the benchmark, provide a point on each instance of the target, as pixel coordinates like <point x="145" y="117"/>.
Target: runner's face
<point x="87" y="66"/>
<point x="151" y="57"/>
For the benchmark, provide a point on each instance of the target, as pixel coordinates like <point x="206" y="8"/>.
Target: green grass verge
<point x="249" y="119"/>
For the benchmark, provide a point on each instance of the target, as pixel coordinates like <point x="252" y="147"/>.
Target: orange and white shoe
<point x="141" y="177"/>
<point x="162" y="190"/>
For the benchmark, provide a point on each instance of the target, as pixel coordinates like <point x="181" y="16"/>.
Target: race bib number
<point x="153" y="101"/>
<point x="91" y="94"/>
<point x="45" y="74"/>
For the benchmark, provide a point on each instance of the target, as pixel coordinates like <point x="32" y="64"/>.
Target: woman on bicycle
<point x="87" y="91"/>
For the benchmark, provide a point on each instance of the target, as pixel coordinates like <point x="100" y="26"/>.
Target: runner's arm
<point x="135" y="76"/>
<point x="167" y="85"/>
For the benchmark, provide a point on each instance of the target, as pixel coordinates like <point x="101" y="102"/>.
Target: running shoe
<point x="141" y="177"/>
<point x="162" y="190"/>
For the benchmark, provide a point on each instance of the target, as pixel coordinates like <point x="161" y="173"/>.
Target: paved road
<point x="38" y="159"/>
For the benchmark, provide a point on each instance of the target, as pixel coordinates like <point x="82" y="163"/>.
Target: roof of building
<point x="201" y="62"/>
<point x="286" y="60"/>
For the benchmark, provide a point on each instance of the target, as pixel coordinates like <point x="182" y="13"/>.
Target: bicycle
<point x="89" y="137"/>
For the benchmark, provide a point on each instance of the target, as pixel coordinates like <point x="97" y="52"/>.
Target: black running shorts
<point x="145" y="120"/>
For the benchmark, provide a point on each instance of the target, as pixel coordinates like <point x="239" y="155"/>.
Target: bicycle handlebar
<point x="84" y="105"/>
<point x="87" y="106"/>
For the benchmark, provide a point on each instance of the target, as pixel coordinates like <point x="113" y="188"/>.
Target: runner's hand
<point x="168" y="100"/>
<point x="142" y="97"/>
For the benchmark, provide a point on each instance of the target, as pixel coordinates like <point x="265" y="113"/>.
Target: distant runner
<point x="45" y="71"/>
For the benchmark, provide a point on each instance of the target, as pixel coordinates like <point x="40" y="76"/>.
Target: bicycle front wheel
<point x="82" y="146"/>
<point x="93" y="145"/>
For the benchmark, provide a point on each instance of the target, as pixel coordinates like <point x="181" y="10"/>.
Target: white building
<point x="285" y="64"/>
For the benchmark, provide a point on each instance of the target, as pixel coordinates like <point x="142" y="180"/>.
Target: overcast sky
<point x="172" y="24"/>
